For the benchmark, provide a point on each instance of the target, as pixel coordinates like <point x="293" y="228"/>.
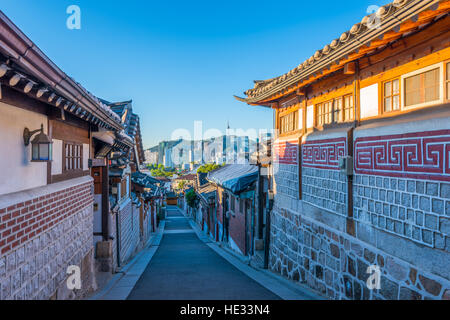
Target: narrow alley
<point x="186" y="268"/>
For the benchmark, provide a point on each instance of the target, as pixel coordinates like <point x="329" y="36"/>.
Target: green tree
<point x="181" y="185"/>
<point x="209" y="167"/>
<point x="191" y="198"/>
<point x="161" y="171"/>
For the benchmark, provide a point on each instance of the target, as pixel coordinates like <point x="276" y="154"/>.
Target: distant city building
<point x="186" y="155"/>
<point x="151" y="155"/>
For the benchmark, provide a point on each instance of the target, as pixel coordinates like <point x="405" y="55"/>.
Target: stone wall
<point x="43" y="232"/>
<point x="335" y="264"/>
<point x="325" y="189"/>
<point x="129" y="231"/>
<point x="412" y="209"/>
<point x="399" y="220"/>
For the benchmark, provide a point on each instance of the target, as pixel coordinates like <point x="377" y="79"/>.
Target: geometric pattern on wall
<point x="324" y="154"/>
<point x="286" y="151"/>
<point x="420" y="155"/>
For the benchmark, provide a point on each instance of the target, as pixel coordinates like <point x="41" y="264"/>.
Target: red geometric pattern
<point x="421" y="155"/>
<point x="286" y="152"/>
<point x="324" y="154"/>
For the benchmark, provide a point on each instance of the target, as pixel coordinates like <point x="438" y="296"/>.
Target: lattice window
<point x="391" y="95"/>
<point x="422" y="88"/>
<point x="289" y="122"/>
<point x="325" y="113"/>
<point x="73" y="157"/>
<point x="232" y="203"/>
<point x="349" y="113"/>
<point x="447" y="80"/>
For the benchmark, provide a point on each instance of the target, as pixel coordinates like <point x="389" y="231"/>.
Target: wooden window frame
<point x="329" y="112"/>
<point x="232" y="203"/>
<point x="352" y="108"/>
<point x="124" y="188"/>
<point x="78" y="169"/>
<point x="289" y="122"/>
<point x="441" y="98"/>
<point x="447" y="80"/>
<point x="383" y="96"/>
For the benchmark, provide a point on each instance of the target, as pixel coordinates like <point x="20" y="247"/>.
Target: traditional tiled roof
<point x="25" y="67"/>
<point x="144" y="180"/>
<point x="187" y="177"/>
<point x="130" y="122"/>
<point x="207" y="192"/>
<point x="378" y="29"/>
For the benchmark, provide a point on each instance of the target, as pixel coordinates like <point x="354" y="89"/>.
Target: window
<point x="336" y="110"/>
<point x="349" y="113"/>
<point x="73" y="155"/>
<point x="232" y="203"/>
<point x="289" y="122"/>
<point x="422" y="88"/>
<point x="124" y="188"/>
<point x="391" y="95"/>
<point x="447" y="80"/>
<point x="325" y="113"/>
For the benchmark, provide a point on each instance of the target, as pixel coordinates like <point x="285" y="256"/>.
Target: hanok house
<point x="46" y="196"/>
<point x="205" y="214"/>
<point x="127" y="210"/>
<point x="362" y="172"/>
<point x="235" y="204"/>
<point x="181" y="185"/>
<point x="149" y="193"/>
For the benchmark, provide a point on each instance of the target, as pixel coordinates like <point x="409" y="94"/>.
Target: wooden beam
<point x="350" y="68"/>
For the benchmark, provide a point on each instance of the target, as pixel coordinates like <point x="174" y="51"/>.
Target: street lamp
<point x="41" y="145"/>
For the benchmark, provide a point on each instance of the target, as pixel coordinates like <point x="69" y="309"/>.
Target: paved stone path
<point x="185" y="268"/>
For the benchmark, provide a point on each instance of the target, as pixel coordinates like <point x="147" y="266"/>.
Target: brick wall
<point x="43" y="231"/>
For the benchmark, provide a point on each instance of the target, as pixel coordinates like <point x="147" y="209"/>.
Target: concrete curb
<point x="121" y="284"/>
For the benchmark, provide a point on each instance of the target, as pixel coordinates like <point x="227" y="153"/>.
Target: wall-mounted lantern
<point x="41" y="145"/>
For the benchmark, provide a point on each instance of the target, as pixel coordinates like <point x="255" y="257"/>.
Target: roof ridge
<point x="368" y="27"/>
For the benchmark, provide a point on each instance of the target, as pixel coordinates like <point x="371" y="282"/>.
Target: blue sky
<point x="183" y="61"/>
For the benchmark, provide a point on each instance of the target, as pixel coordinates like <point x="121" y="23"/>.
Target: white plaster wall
<point x="309" y="117"/>
<point x="86" y="157"/>
<point x="18" y="173"/>
<point x="419" y="123"/>
<point x="57" y="157"/>
<point x="300" y="119"/>
<point x="369" y="101"/>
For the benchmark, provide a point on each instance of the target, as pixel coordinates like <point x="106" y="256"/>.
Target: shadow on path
<point x="185" y="268"/>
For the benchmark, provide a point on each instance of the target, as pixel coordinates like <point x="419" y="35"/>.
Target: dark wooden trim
<point x="49" y="163"/>
<point x="69" y="132"/>
<point x="105" y="203"/>
<point x="70" y="175"/>
<point x="350" y="222"/>
<point x="20" y="100"/>
<point x="300" y="189"/>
